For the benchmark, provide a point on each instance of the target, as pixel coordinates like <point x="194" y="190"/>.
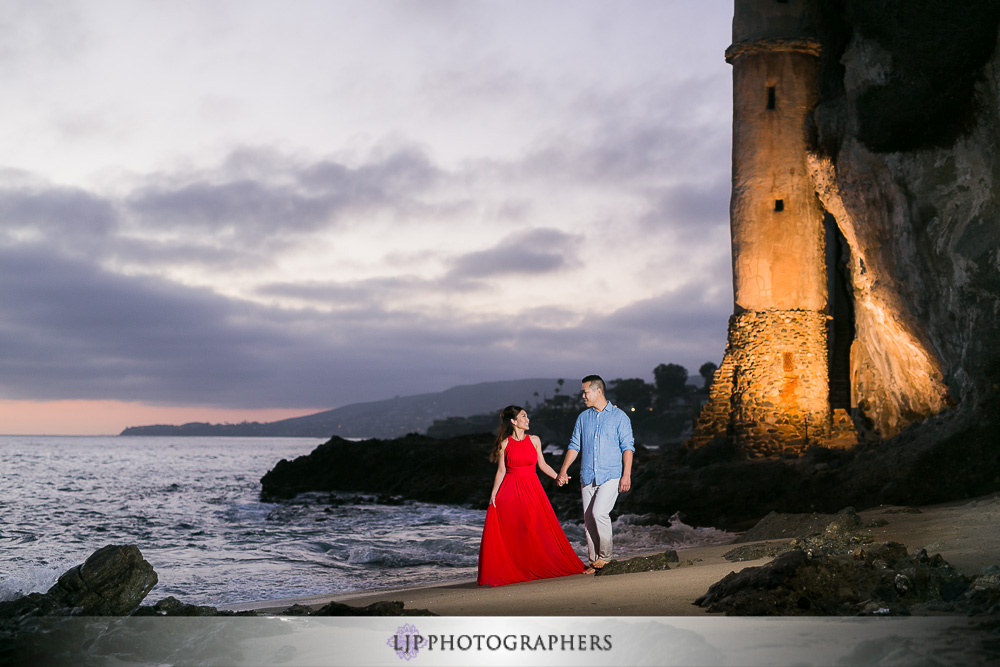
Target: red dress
<point x="522" y="539"/>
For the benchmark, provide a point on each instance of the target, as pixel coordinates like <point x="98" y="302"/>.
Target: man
<point x="603" y="436"/>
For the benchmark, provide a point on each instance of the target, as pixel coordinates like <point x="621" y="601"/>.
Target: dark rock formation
<point x="881" y="579"/>
<point x="171" y="606"/>
<point x="111" y="582"/>
<point x="711" y="486"/>
<point x="786" y="526"/>
<point x="114" y="580"/>
<point x="716" y="486"/>
<point x="640" y="564"/>
<point x="756" y="551"/>
<point x="33" y="604"/>
<point x="906" y="161"/>
<point x="455" y="471"/>
<point x="827" y="534"/>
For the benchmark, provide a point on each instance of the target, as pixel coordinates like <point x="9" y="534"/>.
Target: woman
<point x="522" y="539"/>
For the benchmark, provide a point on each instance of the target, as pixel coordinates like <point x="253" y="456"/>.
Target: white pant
<point x="597" y="504"/>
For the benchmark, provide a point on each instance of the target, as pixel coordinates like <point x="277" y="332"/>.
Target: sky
<point x="252" y="210"/>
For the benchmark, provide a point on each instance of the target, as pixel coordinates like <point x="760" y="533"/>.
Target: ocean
<point x="192" y="506"/>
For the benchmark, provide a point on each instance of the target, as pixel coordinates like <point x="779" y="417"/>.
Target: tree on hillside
<point x="670" y="382"/>
<point x="707" y="371"/>
<point x="632" y="392"/>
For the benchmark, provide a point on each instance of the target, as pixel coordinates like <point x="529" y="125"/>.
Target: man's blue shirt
<point x="601" y="436"/>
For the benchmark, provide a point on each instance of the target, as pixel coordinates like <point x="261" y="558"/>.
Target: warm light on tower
<point x="771" y="392"/>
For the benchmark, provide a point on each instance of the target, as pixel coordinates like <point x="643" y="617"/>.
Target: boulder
<point x="747" y="552"/>
<point x="815" y="534"/>
<point x="787" y="526"/>
<point x="640" y="564"/>
<point x="881" y="579"/>
<point x="945" y="459"/>
<point x="456" y="471"/>
<point x="111" y="582"/>
<point x="171" y="606"/>
<point x="33" y="604"/>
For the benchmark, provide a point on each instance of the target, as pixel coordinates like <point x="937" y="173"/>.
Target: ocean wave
<point x="19" y="536"/>
<point x="374" y="556"/>
<point x="410" y="557"/>
<point x="34" y="579"/>
<point x="319" y="547"/>
<point x="446" y="546"/>
<point x="251" y="513"/>
<point x="200" y="526"/>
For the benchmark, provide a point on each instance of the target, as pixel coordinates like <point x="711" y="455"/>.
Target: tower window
<point x="779" y="205"/>
<point x="770" y="97"/>
<point x="788" y="361"/>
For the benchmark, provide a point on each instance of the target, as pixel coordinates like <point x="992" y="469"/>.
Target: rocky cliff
<point x="906" y="160"/>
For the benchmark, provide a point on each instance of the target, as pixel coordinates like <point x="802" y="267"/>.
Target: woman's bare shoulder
<point x="536" y="441"/>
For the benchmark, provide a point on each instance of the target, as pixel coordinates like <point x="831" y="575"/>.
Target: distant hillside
<point x="389" y="418"/>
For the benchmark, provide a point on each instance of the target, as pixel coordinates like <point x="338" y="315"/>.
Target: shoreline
<point x="964" y="533"/>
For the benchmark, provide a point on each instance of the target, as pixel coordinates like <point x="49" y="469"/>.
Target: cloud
<point x="90" y="308"/>
<point x="421" y="223"/>
<point x="352" y="294"/>
<point x="40" y="30"/>
<point x="688" y="211"/>
<point x="685" y="326"/>
<point x="246" y="211"/>
<point x="70" y="330"/>
<point x="531" y="252"/>
<point x="56" y="213"/>
<point x="644" y="134"/>
<point x="258" y="196"/>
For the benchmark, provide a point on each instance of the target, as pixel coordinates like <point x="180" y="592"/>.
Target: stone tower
<point x="772" y="391"/>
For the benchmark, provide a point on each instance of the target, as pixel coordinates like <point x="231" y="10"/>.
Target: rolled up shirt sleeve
<point x="574" y="440"/>
<point x="626" y="441"/>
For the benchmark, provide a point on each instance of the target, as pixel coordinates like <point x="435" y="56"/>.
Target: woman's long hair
<point x="505" y="430"/>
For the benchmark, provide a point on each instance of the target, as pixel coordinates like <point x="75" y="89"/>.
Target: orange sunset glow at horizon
<point x="80" y="417"/>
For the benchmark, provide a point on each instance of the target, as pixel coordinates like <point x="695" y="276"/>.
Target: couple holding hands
<point x="522" y="539"/>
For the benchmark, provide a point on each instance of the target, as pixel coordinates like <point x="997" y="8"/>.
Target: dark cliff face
<point x="907" y="134"/>
<point x="927" y="96"/>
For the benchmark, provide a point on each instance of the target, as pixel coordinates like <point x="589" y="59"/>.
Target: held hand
<point x="562" y="479"/>
<point x="625" y="484"/>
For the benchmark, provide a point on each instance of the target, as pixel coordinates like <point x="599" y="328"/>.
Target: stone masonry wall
<point x="772" y="391"/>
<point x="713" y="420"/>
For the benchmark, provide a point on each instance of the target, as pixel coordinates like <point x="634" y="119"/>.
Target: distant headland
<point x="390" y="418"/>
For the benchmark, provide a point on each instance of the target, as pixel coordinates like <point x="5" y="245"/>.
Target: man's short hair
<point x="595" y="380"/>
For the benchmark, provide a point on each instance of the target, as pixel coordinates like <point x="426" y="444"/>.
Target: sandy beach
<point x="964" y="532"/>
